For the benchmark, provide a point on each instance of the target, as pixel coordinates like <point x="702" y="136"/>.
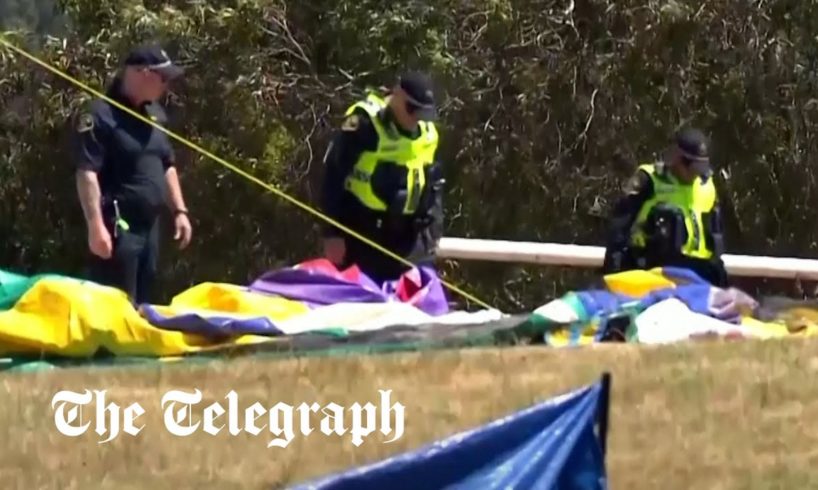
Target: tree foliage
<point x="547" y="107"/>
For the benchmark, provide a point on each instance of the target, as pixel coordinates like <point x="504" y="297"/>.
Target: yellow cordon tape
<point x="227" y="164"/>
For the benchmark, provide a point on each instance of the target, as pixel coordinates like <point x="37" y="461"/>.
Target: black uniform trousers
<point x="400" y="235"/>
<point x="132" y="266"/>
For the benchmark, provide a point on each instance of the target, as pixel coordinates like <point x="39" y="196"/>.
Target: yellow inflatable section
<point x="213" y="297"/>
<point x="637" y="283"/>
<point x="786" y="325"/>
<point x="76" y="318"/>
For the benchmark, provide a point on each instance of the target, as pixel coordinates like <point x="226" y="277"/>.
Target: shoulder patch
<point x="351" y="123"/>
<point x="85" y="123"/>
<point x="633" y="185"/>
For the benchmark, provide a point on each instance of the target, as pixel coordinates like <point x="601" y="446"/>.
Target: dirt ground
<point x="703" y="416"/>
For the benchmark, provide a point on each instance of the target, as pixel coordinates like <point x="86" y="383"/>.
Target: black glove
<point x="428" y="242"/>
<point x="423" y="221"/>
<point x="615" y="261"/>
<point x="720" y="279"/>
<point x="395" y="207"/>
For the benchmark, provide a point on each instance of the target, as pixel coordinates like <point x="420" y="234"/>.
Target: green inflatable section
<point x="14" y="286"/>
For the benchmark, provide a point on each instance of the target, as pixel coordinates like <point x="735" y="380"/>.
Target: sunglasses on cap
<point x="411" y="107"/>
<point x="700" y="166"/>
<point x="691" y="159"/>
<point x="161" y="69"/>
<point x="162" y="76"/>
<point x="421" y="111"/>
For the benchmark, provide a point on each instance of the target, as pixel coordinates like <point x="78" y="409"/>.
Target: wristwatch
<point x="180" y="211"/>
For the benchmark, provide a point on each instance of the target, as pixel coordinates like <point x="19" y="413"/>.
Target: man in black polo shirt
<point x="126" y="175"/>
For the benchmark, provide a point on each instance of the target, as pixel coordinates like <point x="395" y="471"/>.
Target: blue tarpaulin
<point x="557" y="444"/>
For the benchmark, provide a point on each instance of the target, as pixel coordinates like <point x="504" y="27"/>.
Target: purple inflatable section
<point x="319" y="283"/>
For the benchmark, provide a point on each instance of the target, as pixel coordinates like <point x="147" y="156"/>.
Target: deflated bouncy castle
<point x="48" y="320"/>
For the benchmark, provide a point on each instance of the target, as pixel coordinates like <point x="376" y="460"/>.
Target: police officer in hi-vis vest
<point x="383" y="181"/>
<point x="669" y="215"/>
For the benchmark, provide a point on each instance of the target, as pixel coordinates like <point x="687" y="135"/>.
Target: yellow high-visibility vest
<point x="412" y="155"/>
<point x="694" y="201"/>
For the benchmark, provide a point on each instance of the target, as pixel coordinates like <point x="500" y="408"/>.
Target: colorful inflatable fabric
<point x="665" y="305"/>
<point x="60" y="315"/>
<point x="312" y="306"/>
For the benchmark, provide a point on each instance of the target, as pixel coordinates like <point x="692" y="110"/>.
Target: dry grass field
<point x="697" y="416"/>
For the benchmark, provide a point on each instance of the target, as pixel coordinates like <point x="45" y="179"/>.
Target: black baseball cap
<point x="694" y="147"/>
<point x="154" y="58"/>
<point x="420" y="94"/>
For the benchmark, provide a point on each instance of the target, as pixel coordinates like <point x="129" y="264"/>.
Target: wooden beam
<point x="590" y="256"/>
